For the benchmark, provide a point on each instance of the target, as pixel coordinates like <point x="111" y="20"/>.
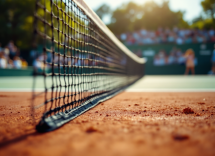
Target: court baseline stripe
<point x="172" y="90"/>
<point x="127" y="90"/>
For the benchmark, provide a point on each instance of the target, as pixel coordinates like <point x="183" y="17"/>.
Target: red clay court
<point x="86" y="93"/>
<point x="132" y="123"/>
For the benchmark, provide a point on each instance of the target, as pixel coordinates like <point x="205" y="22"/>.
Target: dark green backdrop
<point x="203" y="53"/>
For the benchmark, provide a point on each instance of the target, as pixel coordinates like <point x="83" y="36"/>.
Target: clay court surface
<point x="132" y="123"/>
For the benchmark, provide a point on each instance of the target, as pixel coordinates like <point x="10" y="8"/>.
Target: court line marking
<point x="21" y="90"/>
<point x="127" y="90"/>
<point x="172" y="90"/>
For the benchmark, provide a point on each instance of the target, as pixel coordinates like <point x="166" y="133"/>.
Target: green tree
<point x="209" y="8"/>
<point x="202" y="23"/>
<point x="208" y="21"/>
<point x="161" y="16"/>
<point x="103" y="10"/>
<point x="16" y="20"/>
<point x="130" y="17"/>
<point x="17" y="17"/>
<point x="124" y="17"/>
<point x="198" y="22"/>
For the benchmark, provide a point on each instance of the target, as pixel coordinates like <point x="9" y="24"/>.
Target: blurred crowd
<point x="45" y="60"/>
<point x="79" y="59"/>
<point x="176" y="56"/>
<point x="10" y="57"/>
<point x="162" y="36"/>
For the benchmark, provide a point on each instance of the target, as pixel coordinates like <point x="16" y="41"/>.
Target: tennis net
<point x="82" y="63"/>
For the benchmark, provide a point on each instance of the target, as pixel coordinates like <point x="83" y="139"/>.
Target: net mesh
<point x="79" y="63"/>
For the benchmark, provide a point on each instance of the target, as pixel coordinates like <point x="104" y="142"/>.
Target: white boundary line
<point x="127" y="90"/>
<point x="171" y="90"/>
<point x="21" y="90"/>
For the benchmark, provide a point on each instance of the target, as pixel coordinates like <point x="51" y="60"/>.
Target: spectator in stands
<point x="42" y="57"/>
<point x="171" y="58"/>
<point x="38" y="64"/>
<point x="160" y="59"/>
<point x="24" y="63"/>
<point x="13" y="49"/>
<point x="212" y="72"/>
<point x="123" y="37"/>
<point x="178" y="36"/>
<point x="10" y="64"/>
<point x="130" y="40"/>
<point x="171" y="38"/>
<point x="211" y="32"/>
<point x="77" y="61"/>
<point x="180" y="57"/>
<point x="3" y="61"/>
<point x="179" y="40"/>
<point x="176" y="56"/>
<point x="10" y="57"/>
<point x="17" y="62"/>
<point x="6" y="53"/>
<point x="188" y="39"/>
<point x="190" y="64"/>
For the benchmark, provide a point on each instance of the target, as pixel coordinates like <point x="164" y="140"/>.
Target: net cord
<point x="88" y="11"/>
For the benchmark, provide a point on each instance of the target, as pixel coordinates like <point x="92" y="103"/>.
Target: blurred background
<point x="174" y="36"/>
